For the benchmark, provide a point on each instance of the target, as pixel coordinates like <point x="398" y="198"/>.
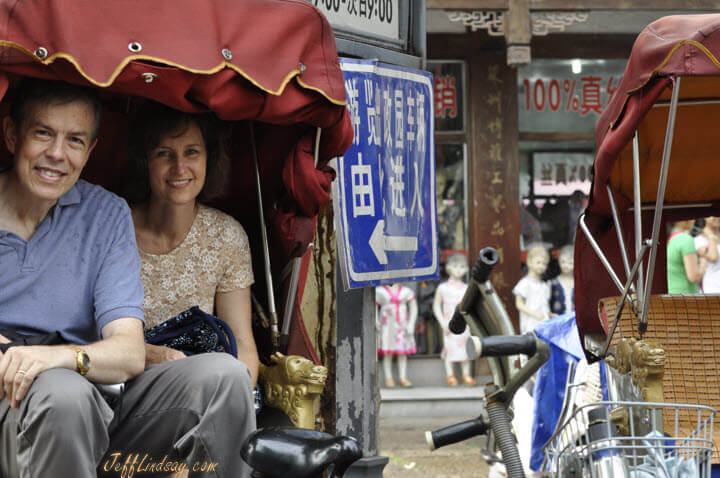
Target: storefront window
<point x="559" y="186"/>
<point x="559" y="102"/>
<point x="452" y="226"/>
<point x="451" y="167"/>
<point x="451" y="197"/>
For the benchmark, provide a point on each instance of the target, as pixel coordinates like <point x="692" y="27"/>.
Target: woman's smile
<point x="179" y="183"/>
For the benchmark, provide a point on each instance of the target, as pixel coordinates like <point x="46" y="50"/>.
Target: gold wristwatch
<point x="82" y="360"/>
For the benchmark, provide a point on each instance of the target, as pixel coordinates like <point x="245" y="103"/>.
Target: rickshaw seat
<point x="300" y="453"/>
<point x="688" y="327"/>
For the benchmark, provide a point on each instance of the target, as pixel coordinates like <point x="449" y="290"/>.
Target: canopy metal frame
<point x="637" y="286"/>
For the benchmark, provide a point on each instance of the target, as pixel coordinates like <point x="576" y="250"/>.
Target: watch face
<point x="83" y="362"/>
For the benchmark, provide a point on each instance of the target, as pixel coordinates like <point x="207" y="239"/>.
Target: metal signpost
<point x="386" y="219"/>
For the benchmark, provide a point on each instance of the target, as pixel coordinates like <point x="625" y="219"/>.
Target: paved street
<point x="402" y="439"/>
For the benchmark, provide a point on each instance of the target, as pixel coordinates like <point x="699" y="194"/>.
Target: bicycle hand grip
<point x="455" y="433"/>
<point x="487" y="259"/>
<point x="502" y="345"/>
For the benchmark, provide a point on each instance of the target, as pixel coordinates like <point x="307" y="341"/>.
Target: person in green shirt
<point x="685" y="268"/>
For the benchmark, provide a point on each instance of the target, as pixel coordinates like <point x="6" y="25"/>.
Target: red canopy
<point x="270" y="61"/>
<point x="686" y="46"/>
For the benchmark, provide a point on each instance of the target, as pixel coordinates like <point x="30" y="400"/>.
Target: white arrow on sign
<point x="379" y="242"/>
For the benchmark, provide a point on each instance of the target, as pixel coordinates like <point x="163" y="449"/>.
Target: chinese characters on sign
<point x="449" y="95"/>
<point x="561" y="173"/>
<point x="385" y="191"/>
<point x="494" y="180"/>
<point x="374" y="17"/>
<point x="553" y="98"/>
<point x="591" y="97"/>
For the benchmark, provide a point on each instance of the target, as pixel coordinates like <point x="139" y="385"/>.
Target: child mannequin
<point x="396" y="314"/>
<point x="447" y="297"/>
<point x="532" y="293"/>
<point x="563" y="286"/>
<point x="532" y="299"/>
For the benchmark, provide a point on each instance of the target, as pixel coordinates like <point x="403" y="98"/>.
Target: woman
<point x="685" y="267"/>
<point x="191" y="254"/>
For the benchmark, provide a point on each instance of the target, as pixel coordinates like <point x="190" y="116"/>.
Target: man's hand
<point x="160" y="354"/>
<point x="20" y="365"/>
<point x="4" y="340"/>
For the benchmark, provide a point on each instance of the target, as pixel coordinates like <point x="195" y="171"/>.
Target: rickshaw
<point x="268" y="68"/>
<point x="656" y="163"/>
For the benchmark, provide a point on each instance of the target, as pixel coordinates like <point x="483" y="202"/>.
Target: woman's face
<point x="177" y="167"/>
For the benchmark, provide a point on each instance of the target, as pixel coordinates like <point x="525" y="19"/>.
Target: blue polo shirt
<point x="77" y="273"/>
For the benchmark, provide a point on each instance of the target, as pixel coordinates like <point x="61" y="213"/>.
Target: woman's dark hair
<point x="154" y="121"/>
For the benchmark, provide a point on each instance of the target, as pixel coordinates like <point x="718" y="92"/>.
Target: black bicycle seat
<point x="278" y="452"/>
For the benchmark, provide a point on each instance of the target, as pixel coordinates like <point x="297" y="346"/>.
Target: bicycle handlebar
<point x="498" y="398"/>
<point x="455" y="433"/>
<point x="487" y="259"/>
<point x="479" y="274"/>
<point x="502" y="345"/>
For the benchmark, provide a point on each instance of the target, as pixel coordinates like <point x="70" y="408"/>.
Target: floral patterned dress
<point x="452" y="292"/>
<point x="213" y="257"/>
<point x="394" y="338"/>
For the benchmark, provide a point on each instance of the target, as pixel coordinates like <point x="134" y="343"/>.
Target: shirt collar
<point x="73" y="196"/>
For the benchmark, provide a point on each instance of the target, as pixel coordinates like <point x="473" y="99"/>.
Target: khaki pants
<point x="191" y="413"/>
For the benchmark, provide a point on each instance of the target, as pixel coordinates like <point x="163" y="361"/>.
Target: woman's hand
<point x="161" y="354"/>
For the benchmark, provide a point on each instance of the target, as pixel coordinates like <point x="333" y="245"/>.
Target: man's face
<point x="51" y="147"/>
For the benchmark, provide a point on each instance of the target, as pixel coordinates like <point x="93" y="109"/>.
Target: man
<point x="69" y="264"/>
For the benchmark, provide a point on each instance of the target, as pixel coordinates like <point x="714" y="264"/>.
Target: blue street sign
<point x="386" y="221"/>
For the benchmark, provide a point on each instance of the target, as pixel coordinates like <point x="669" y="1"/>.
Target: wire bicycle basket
<point x="633" y="440"/>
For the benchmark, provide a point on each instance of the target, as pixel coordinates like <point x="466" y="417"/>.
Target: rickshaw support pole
<point x="642" y="325"/>
<point x="600" y="254"/>
<point x="618" y="229"/>
<point x="638" y="214"/>
<point x="636" y="268"/>
<point x="266" y="249"/>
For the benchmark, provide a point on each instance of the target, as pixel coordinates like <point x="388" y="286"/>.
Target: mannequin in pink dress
<point x="396" y="313"/>
<point x="447" y="297"/>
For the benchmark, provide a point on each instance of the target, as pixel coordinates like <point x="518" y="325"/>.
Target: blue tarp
<point x="562" y="335"/>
